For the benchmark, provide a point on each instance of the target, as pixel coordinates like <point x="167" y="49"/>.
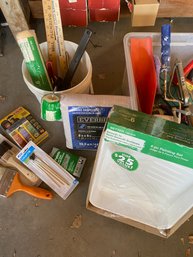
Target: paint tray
<point x="143" y="173"/>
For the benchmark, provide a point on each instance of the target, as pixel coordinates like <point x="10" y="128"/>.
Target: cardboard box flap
<point x="154" y="126"/>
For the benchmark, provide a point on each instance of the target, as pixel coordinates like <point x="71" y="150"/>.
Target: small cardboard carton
<point x="144" y="12"/>
<point x="143" y="172"/>
<point x="104" y="11"/>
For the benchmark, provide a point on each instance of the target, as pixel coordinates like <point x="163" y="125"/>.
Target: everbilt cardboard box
<point x="143" y="172"/>
<point x="144" y="12"/>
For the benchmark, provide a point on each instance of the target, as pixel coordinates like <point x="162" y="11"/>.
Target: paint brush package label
<point x="70" y="162"/>
<point x="22" y="127"/>
<point x="150" y="180"/>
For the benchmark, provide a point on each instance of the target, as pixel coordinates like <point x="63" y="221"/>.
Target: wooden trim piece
<point x="15" y="15"/>
<point x="177" y="8"/>
<point x="36" y="9"/>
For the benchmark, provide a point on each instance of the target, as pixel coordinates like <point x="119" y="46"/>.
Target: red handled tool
<point x="188" y="74"/>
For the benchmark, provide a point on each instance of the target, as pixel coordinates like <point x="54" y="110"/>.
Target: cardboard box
<point x="144" y="12"/>
<point x="143" y="172"/>
<point x="133" y="223"/>
<point x="100" y="10"/>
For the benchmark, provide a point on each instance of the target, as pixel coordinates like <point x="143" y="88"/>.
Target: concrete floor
<point x="37" y="228"/>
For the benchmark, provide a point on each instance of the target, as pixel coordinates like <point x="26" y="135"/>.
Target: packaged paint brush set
<point x="34" y="158"/>
<point x="28" y="167"/>
<point x="22" y="127"/>
<point x="24" y="170"/>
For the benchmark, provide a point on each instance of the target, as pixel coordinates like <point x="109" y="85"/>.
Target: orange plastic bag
<point x="144" y="72"/>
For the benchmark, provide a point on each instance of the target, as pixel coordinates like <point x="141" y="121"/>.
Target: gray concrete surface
<point x="37" y="228"/>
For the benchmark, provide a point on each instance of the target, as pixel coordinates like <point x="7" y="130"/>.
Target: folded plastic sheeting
<point x="143" y="169"/>
<point x="84" y="117"/>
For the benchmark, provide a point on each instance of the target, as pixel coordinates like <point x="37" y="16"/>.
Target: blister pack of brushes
<point x="8" y="152"/>
<point x="47" y="169"/>
<point x="10" y="183"/>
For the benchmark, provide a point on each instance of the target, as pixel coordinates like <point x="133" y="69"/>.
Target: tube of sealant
<point x="165" y="45"/>
<point x="165" y="53"/>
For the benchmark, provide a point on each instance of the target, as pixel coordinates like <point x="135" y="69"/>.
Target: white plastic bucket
<point x="82" y="78"/>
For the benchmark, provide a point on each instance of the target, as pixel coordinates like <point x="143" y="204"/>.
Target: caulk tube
<point x="165" y="53"/>
<point x="165" y="45"/>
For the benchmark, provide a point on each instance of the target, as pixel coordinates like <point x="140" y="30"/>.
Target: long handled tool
<point x="55" y="37"/>
<point x="50" y="33"/>
<point x="76" y="59"/>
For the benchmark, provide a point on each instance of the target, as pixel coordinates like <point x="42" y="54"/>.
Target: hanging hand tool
<point x="185" y="95"/>
<point x="188" y="71"/>
<point x="188" y="74"/>
<point x="76" y="59"/>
